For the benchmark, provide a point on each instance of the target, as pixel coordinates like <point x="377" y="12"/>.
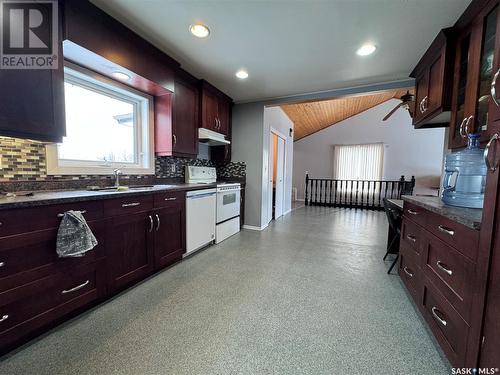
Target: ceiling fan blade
<point x="391" y="112"/>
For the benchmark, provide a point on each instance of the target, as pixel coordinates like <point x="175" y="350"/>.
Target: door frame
<point x="274" y="131"/>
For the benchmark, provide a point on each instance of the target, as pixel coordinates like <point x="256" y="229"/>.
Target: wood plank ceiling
<point x="310" y="117"/>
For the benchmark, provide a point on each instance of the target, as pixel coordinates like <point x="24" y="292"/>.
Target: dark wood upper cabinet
<point x="474" y="72"/>
<point x="185" y="115"/>
<point x="32" y="101"/>
<point x="215" y="109"/>
<point x="433" y="81"/>
<point x="176" y="118"/>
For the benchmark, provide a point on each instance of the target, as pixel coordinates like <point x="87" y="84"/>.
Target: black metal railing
<point x="367" y="194"/>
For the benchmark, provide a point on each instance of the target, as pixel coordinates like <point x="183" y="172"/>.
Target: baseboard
<point x="287" y="212"/>
<point x="253" y="227"/>
<point x="299" y="200"/>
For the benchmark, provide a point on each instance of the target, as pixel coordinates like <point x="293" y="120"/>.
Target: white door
<point x="280" y="177"/>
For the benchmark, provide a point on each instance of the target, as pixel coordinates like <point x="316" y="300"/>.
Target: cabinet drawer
<point x="30" y="256"/>
<point x="411" y="235"/>
<point x="30" y="219"/>
<point x="126" y="205"/>
<point x="446" y="323"/>
<point x="464" y="239"/>
<point x="30" y="307"/>
<point x="410" y="273"/>
<point x="169" y="199"/>
<point x="451" y="273"/>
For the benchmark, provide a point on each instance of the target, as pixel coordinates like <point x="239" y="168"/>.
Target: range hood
<point x="211" y="138"/>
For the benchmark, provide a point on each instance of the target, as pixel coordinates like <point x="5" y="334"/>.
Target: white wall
<point x="408" y="151"/>
<point x="275" y="118"/>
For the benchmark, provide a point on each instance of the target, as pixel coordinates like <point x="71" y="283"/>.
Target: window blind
<point x="358" y="162"/>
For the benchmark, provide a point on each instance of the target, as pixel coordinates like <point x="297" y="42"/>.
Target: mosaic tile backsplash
<point x="25" y="160"/>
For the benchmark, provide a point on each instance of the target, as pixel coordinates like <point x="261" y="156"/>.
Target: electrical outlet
<point x="172" y="168"/>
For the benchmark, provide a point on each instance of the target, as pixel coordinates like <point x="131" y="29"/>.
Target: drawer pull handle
<point x="443" y="267"/>
<point x="411" y="238"/>
<point x="408" y="272"/>
<point x="82" y="212"/>
<point x="133" y="204"/>
<point x="157" y="222"/>
<point x="449" y="231"/>
<point x="412" y="212"/>
<point x="2" y="264"/>
<point x="171" y="199"/>
<point x="78" y="287"/>
<point x="4" y="318"/>
<point x="435" y="312"/>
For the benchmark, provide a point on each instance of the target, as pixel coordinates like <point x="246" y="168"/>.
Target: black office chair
<point x="394" y="217"/>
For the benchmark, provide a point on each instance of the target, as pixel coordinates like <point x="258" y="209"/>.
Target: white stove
<point x="227" y="202"/>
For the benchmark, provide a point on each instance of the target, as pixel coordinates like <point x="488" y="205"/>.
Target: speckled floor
<point x="308" y="295"/>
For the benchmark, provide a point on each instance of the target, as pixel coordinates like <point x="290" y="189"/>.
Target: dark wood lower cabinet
<point x="136" y="235"/>
<point x="169" y="236"/>
<point x="441" y="273"/>
<point x="129" y="253"/>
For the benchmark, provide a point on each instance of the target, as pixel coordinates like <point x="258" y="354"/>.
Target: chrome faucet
<point x="117" y="172"/>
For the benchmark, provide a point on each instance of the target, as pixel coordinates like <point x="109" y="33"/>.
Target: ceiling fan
<point x="407" y="102"/>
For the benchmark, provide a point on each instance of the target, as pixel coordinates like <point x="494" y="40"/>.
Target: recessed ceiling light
<point x="242" y="74"/>
<point x="121" y="76"/>
<point x="199" y="30"/>
<point x="366" y="49"/>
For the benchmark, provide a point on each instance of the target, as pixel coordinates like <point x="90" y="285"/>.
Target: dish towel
<point x="74" y="237"/>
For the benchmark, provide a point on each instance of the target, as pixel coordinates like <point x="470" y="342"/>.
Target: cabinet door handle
<point x="157" y="222"/>
<point x="461" y="131"/>
<point x="421" y="106"/>
<point x="493" y="139"/>
<point x="435" y="312"/>
<point x="408" y="272"/>
<point x="426" y="100"/>
<point x="171" y="199"/>
<point x="443" y="229"/>
<point x="466" y="127"/>
<point x="412" y="212"/>
<point x="151" y="223"/>
<point x="2" y="264"/>
<point x="443" y="267"/>
<point x="411" y="238"/>
<point x="133" y="204"/>
<point x="78" y="287"/>
<point x="4" y="318"/>
<point x="494" y="89"/>
<point x="174" y="137"/>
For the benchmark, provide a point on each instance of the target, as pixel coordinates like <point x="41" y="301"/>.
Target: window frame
<point x="144" y="130"/>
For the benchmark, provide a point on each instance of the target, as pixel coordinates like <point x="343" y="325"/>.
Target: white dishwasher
<point x="200" y="219"/>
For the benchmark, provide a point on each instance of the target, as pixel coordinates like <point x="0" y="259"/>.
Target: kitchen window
<point x="108" y="126"/>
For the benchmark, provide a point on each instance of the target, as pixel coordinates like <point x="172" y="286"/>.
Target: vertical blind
<point x="358" y="162"/>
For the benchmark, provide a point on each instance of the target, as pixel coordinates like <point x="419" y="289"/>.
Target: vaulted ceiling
<point x="311" y="117"/>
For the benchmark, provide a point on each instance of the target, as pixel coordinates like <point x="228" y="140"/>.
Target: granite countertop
<point x="470" y="217"/>
<point x="41" y="198"/>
